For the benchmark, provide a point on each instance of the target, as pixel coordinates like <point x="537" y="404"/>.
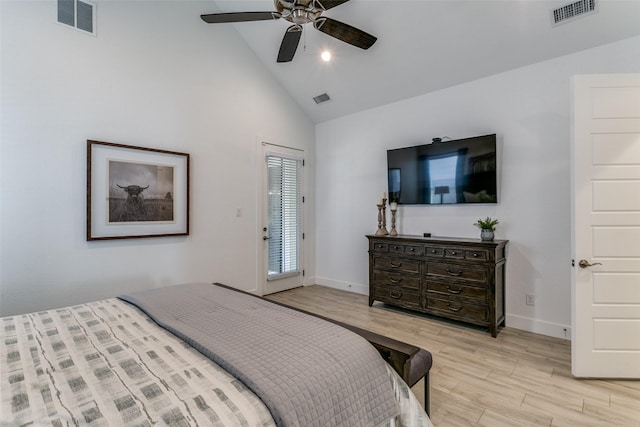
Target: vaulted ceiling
<point x="423" y="45"/>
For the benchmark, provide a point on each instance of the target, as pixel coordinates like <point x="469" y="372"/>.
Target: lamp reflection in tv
<point x="443" y="189"/>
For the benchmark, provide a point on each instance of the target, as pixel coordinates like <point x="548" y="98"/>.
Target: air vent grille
<point x="573" y="10"/>
<point x="321" y="98"/>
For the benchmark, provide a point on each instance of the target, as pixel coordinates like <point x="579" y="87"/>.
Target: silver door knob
<point x="265" y="238"/>
<point x="584" y="263"/>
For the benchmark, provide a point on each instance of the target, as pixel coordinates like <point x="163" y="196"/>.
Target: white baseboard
<point x="345" y="286"/>
<point x="539" y="326"/>
<point x="513" y="321"/>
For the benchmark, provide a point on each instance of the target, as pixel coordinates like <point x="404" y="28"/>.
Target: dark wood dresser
<point x="460" y="279"/>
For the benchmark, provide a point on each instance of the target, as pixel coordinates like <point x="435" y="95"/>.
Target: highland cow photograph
<point x="140" y="192"/>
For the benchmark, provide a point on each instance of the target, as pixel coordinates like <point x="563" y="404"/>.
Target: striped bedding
<point x="105" y="363"/>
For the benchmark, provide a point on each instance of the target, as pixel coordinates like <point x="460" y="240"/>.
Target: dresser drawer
<point x="479" y="294"/>
<point x="478" y="255"/>
<point x="388" y="278"/>
<point x="397" y="295"/>
<point x="458" y="271"/>
<point x="434" y="251"/>
<point x="377" y="246"/>
<point x="456" y="309"/>
<point x="396" y="264"/>
<point x="454" y="253"/>
<point x="405" y="249"/>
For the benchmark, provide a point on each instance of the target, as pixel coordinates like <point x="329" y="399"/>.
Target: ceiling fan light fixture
<point x="299" y="17"/>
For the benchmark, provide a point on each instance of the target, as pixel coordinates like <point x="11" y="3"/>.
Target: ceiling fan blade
<point x="219" y="18"/>
<point x="328" y="4"/>
<point x="289" y="43"/>
<point x="345" y="32"/>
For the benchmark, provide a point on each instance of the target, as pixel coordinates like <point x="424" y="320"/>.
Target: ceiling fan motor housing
<point x="298" y="11"/>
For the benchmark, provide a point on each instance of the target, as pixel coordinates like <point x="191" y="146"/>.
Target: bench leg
<point x="427" y="400"/>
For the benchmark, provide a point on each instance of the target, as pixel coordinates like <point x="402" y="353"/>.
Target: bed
<point x="194" y="354"/>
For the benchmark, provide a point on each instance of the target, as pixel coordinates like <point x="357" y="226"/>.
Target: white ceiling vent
<point x="321" y="98"/>
<point x="574" y="10"/>
<point x="78" y="14"/>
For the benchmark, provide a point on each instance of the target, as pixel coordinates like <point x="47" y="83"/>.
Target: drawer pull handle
<point x="396" y="247"/>
<point x="453" y="252"/>
<point x="395" y="295"/>
<point x="454" y="273"/>
<point x="433" y="251"/>
<point x="396" y="265"/>
<point x="454" y="291"/>
<point x="410" y="249"/>
<point x="395" y="280"/>
<point x="475" y="255"/>
<point x="456" y="309"/>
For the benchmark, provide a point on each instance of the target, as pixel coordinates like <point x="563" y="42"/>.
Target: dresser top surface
<point x="438" y="239"/>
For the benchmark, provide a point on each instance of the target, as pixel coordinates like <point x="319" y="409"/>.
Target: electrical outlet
<point x="530" y="299"/>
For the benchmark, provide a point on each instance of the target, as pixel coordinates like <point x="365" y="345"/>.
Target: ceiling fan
<point x="300" y="12"/>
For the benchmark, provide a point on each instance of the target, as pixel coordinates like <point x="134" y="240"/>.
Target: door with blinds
<point x="282" y="218"/>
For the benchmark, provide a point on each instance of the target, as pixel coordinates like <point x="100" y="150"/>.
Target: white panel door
<point x="606" y="220"/>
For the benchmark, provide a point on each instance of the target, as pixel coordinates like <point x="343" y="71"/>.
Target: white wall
<point x="529" y="110"/>
<point x="154" y="76"/>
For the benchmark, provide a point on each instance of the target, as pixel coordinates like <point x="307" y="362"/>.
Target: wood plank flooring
<point x="516" y="379"/>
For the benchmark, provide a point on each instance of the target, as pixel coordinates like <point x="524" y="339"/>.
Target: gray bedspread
<point x="307" y="371"/>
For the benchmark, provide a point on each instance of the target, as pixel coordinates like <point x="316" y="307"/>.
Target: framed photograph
<point x="135" y="192"/>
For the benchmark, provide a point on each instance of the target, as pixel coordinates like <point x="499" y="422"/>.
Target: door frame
<point x="264" y="147"/>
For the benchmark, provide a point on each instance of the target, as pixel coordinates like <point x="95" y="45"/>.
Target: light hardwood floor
<point x="516" y="379"/>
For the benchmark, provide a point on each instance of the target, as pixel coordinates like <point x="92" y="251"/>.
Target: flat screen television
<point x="449" y="172"/>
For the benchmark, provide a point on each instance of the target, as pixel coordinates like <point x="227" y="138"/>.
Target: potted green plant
<point x="487" y="226"/>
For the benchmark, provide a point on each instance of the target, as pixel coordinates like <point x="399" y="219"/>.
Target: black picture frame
<point x="136" y="192"/>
